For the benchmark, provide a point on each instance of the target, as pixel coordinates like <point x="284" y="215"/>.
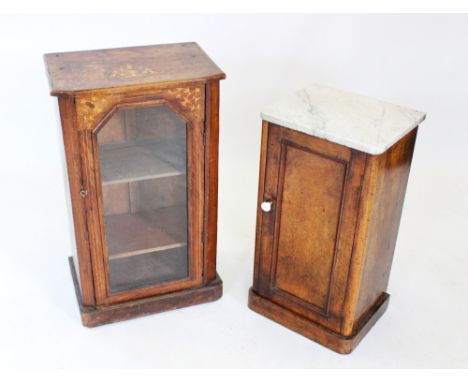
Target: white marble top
<point x="356" y="121"/>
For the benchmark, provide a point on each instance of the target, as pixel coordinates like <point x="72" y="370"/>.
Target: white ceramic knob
<point x="266" y="206"/>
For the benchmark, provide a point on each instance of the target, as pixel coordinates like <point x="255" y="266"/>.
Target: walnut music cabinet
<point x="140" y="128"/>
<point x="333" y="173"/>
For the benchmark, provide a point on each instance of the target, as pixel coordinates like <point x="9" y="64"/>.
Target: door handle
<point x="266" y="205"/>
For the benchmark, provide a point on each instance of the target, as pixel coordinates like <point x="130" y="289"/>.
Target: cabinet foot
<point x="334" y="341"/>
<point x="136" y="308"/>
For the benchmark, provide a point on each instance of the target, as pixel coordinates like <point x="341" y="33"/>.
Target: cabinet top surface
<point x="352" y="120"/>
<point x="95" y="70"/>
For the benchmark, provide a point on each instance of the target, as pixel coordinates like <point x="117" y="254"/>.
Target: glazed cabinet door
<point x="308" y="206"/>
<point x="148" y="201"/>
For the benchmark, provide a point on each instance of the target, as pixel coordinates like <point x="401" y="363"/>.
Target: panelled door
<point x="308" y="210"/>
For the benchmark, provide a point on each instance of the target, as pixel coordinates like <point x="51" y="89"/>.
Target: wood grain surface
<point x="72" y="72"/>
<point x="323" y="253"/>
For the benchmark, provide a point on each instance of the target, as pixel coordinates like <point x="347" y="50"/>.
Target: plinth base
<point x="314" y="331"/>
<point x="123" y="311"/>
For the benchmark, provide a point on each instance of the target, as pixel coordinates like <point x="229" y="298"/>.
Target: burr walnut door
<point x="307" y="213"/>
<point x="150" y="182"/>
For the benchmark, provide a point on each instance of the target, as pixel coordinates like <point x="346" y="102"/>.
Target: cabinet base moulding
<point x="314" y="331"/>
<point x="137" y="308"/>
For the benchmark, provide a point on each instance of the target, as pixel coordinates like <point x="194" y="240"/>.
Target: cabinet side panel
<point x="309" y="207"/>
<point x="211" y="180"/>
<point x="72" y="153"/>
<point x="392" y="177"/>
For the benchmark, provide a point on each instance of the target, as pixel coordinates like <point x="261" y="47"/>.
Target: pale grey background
<point x="419" y="61"/>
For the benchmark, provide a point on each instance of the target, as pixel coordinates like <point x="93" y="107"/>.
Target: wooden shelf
<point x="135" y="161"/>
<point x="148" y="269"/>
<point x="144" y="232"/>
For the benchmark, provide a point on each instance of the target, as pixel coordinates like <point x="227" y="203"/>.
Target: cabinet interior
<point x="143" y="173"/>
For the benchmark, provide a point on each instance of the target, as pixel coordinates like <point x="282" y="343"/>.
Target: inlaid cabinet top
<point x="92" y="70"/>
<point x="353" y="120"/>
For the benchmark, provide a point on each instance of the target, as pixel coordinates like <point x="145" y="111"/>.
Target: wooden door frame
<point x="94" y="203"/>
<point x="271" y="168"/>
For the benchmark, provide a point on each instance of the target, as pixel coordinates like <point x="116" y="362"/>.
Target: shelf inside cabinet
<point x="136" y="160"/>
<point x="140" y="233"/>
<point x="148" y="269"/>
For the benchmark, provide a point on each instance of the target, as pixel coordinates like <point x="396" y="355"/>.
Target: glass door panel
<point x="143" y="155"/>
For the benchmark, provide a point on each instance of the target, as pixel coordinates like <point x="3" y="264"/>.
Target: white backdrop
<point x="419" y="61"/>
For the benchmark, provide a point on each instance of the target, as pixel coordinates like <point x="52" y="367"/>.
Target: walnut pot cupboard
<point x="140" y="130"/>
<point x="328" y="214"/>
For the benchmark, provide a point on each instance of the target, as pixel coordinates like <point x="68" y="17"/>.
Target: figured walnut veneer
<point x="323" y="253"/>
<point x="136" y="180"/>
